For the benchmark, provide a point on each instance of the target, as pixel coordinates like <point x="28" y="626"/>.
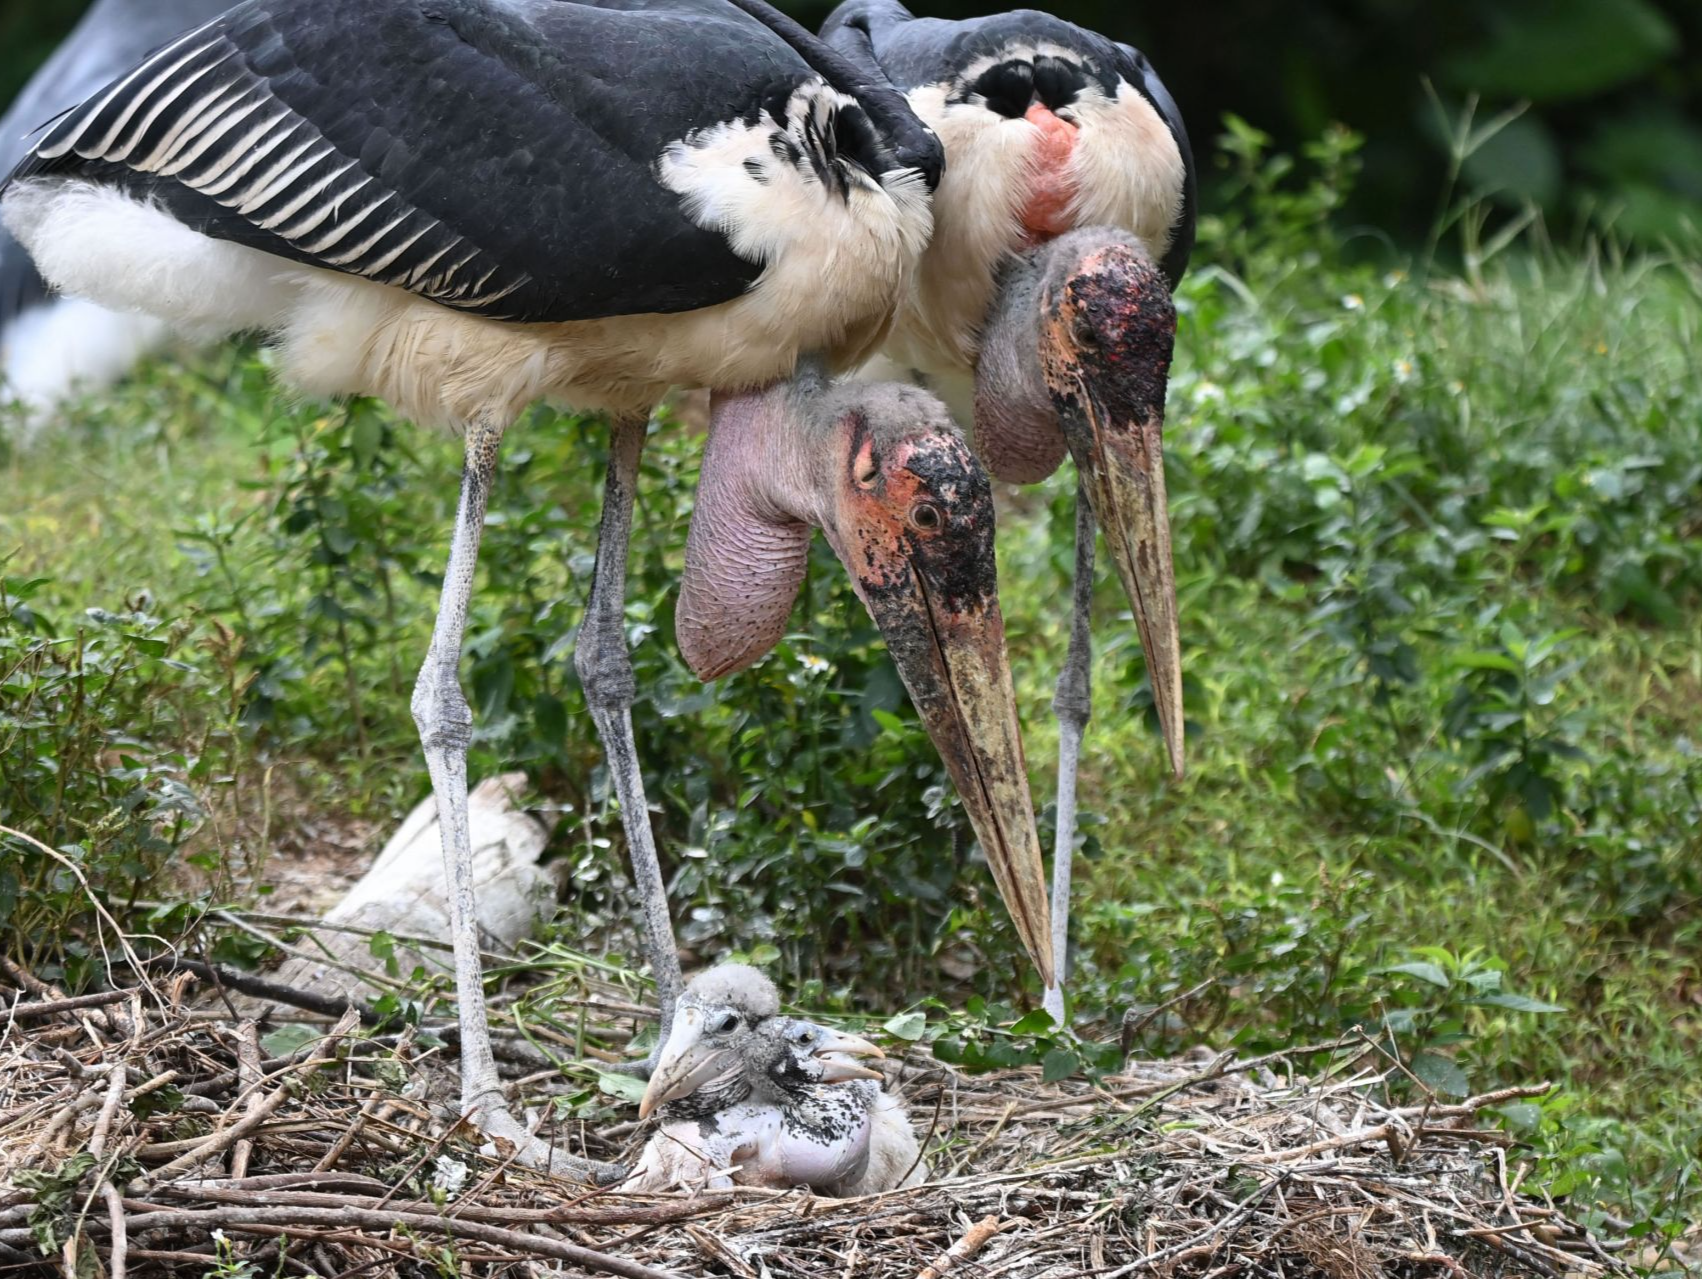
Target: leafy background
<point x="1437" y="501"/>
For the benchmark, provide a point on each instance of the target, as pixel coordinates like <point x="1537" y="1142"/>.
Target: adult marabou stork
<point x="466" y="205"/>
<point x="1041" y="312"/>
<point x="49" y="345"/>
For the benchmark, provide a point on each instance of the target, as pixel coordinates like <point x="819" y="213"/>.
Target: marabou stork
<point x="463" y="206"/>
<point x="48" y="345"/>
<point x="752" y="1098"/>
<point x="1041" y="313"/>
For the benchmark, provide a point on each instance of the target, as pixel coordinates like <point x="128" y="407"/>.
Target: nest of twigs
<point x="141" y="1136"/>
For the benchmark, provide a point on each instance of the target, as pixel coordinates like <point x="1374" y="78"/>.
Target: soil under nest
<point x="141" y="1135"/>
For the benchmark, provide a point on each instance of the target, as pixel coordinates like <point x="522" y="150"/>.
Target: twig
<point x="972" y="1241"/>
<point x="260" y="988"/>
<point x="255" y="1116"/>
<point x="248" y="1074"/>
<point x="270" y="1219"/>
<point x="52" y="1007"/>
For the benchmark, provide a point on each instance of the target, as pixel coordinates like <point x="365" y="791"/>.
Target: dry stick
<point x="49" y="1007"/>
<point x="260" y="988"/>
<point x="566" y="1215"/>
<point x="252" y="1120"/>
<point x="974" y="1239"/>
<point x="268" y="1220"/>
<point x="97" y="1148"/>
<point x="248" y="1075"/>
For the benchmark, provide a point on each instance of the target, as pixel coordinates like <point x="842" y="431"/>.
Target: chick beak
<point x="1107" y="342"/>
<point x="686" y="1064"/>
<point x="836" y="1053"/>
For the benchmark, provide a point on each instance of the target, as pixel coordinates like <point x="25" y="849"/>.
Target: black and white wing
<point x="1006" y="63"/>
<point x="495" y="156"/>
<point x="112" y="37"/>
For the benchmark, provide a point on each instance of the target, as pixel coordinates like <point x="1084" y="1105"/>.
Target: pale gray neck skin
<point x="766" y="484"/>
<point x="1017" y="434"/>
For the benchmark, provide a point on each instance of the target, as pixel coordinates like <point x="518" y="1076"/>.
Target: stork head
<point x="909" y="512"/>
<point x="709" y="1047"/>
<point x="808" y="1053"/>
<point x="885" y="474"/>
<point x="1076" y="356"/>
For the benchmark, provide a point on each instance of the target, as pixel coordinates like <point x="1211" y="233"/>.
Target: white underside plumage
<point x="1127" y="172"/>
<point x="835" y="267"/>
<point x="66" y="346"/>
<point x="749" y="1144"/>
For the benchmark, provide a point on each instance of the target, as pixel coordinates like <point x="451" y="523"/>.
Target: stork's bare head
<point x="707" y="1051"/>
<point x="911" y="518"/>
<point x="1076" y="356"/>
<point x="809" y="1053"/>
<point x="885" y="474"/>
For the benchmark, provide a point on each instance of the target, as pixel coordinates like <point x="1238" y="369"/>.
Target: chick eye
<point x="926" y="516"/>
<point x="728" y="1024"/>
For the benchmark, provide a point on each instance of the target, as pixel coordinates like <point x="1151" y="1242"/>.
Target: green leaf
<point x="1059" y="1063"/>
<point x="1423" y="971"/>
<point x="907" y="1026"/>
<point x="1440" y="1074"/>
<point x="288" y="1038"/>
<point x="626" y="1088"/>
<point x="365" y="435"/>
<point x="1522" y="1117"/>
<point x="1561" y="49"/>
<point x="1520" y="1003"/>
<point x="1038" y="1022"/>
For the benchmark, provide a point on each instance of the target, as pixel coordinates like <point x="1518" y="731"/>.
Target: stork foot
<point x="510" y="1139"/>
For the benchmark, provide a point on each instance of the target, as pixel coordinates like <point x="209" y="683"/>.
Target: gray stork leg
<point x="445" y="723"/>
<point x="605" y="669"/>
<point x="1073" y="705"/>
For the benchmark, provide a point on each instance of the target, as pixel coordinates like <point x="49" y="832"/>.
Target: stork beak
<point x="936" y="601"/>
<point x="1106" y="356"/>
<point x="836" y="1051"/>
<point x="686" y="1064"/>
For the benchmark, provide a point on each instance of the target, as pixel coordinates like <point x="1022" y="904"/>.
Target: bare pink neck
<point x="758" y="502"/>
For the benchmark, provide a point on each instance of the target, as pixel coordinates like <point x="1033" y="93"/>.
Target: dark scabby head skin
<point x="1107" y="331"/>
<point x="909" y="511"/>
<point x="1114" y="306"/>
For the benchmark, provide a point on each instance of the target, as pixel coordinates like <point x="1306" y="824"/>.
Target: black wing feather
<point x="113" y="35"/>
<point x="914" y="51"/>
<point x="497" y="156"/>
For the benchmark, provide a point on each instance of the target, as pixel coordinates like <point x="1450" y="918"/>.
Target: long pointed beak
<point x="686" y="1064"/>
<point x="951" y="656"/>
<point x="1107" y="343"/>
<point x="837" y="1052"/>
<point x="1122" y="468"/>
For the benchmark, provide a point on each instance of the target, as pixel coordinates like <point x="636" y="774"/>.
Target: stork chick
<point x="762" y="1100"/>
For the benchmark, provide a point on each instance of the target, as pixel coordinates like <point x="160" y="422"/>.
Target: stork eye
<point x="926" y="516"/>
<point x="728" y="1023"/>
<point x="1081" y="328"/>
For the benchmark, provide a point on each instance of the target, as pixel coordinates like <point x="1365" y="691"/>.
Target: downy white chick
<point x="752" y="1098"/>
